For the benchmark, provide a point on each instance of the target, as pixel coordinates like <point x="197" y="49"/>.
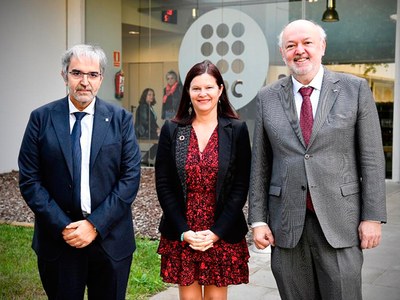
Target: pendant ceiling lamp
<point x="330" y="15"/>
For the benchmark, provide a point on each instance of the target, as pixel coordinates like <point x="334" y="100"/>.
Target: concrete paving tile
<point x="390" y="278"/>
<point x="390" y="235"/>
<point x="369" y="275"/>
<point x="382" y="257"/>
<point x="171" y="293"/>
<point x="373" y="292"/>
<point x="263" y="278"/>
<point x="249" y="292"/>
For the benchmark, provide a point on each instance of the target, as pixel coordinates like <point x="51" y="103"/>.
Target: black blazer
<point x="45" y="166"/>
<point x="145" y="122"/>
<point x="232" y="181"/>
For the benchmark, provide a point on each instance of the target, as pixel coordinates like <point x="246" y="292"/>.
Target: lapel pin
<point x="181" y="138"/>
<point x="107" y="119"/>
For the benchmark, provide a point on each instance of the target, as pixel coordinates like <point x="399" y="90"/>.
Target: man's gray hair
<point x="83" y="50"/>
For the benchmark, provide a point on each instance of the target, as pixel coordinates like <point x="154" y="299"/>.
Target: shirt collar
<point x="89" y="109"/>
<point x="316" y="83"/>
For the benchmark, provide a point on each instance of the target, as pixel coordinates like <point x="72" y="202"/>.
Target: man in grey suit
<point x="79" y="167"/>
<point x="317" y="187"/>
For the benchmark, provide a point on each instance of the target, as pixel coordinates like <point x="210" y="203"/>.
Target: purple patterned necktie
<point x="306" y="124"/>
<point x="306" y="114"/>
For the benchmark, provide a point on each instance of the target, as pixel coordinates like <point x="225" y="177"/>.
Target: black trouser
<point x="67" y="277"/>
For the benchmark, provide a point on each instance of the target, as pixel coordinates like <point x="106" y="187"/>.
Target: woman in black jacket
<point x="146" y="126"/>
<point x="202" y="178"/>
<point x="146" y="119"/>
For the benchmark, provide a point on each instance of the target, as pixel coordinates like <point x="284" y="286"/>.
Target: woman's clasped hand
<point x="200" y="240"/>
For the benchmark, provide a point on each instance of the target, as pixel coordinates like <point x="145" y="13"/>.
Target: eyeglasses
<point x="76" y="74"/>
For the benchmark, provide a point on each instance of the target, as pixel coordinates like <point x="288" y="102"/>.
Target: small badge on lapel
<point x="181" y="138"/>
<point x="107" y="119"/>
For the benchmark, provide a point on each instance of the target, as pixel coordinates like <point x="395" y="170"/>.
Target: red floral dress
<point x="223" y="264"/>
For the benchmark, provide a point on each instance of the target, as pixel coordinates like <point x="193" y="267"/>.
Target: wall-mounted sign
<point x="235" y="43"/>
<point x="117" y="59"/>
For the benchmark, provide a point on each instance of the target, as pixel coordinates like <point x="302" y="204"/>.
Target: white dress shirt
<point x="316" y="83"/>
<point x="86" y="142"/>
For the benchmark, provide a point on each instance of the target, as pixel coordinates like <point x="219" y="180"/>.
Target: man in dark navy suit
<point x="81" y="199"/>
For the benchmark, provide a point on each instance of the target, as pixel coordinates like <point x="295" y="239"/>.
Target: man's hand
<point x="370" y="233"/>
<point x="79" y="234"/>
<point x="262" y="237"/>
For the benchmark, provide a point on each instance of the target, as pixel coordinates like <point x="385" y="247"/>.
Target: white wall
<point x="33" y="35"/>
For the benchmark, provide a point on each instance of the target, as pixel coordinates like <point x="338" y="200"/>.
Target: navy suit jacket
<point x="45" y="167"/>
<point x="234" y="156"/>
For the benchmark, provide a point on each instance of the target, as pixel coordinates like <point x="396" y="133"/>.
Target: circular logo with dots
<point x="235" y="44"/>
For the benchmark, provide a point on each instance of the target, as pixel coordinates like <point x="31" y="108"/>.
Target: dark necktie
<point x="306" y="114"/>
<point x="306" y="124"/>
<point x="77" y="159"/>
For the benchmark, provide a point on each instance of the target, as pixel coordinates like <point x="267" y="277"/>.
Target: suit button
<point x="303" y="188"/>
<point x="307" y="156"/>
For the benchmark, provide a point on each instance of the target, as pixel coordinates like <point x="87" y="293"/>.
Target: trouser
<point x="316" y="270"/>
<point x="68" y="276"/>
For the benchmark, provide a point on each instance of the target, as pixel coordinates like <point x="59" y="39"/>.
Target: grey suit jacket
<point x="343" y="164"/>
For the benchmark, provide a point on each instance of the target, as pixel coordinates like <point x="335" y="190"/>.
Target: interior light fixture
<point x="330" y="14"/>
<point x="133" y="32"/>
<point x="194" y="13"/>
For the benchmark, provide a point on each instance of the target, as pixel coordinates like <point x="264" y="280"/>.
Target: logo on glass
<point x="235" y="44"/>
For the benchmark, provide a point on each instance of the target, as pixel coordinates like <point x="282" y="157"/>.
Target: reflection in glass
<point x="207" y="49"/>
<point x="238" y="66"/>
<point x="222" y="30"/>
<point x="237" y="47"/>
<point x="226" y="85"/>
<point x="222" y="48"/>
<point x="207" y="31"/>
<point x="223" y="66"/>
<point x="238" y="29"/>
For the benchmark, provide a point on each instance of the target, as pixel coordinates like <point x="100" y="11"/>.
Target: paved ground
<point x="381" y="270"/>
